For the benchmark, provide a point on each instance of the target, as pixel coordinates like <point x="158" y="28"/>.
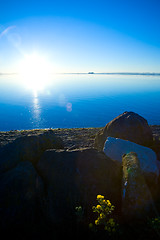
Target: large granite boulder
<point x="74" y="178"/>
<point x="115" y="148"/>
<point x="21" y="191"/>
<point x="137" y="201"/>
<point x="27" y="148"/>
<point x="128" y="126"/>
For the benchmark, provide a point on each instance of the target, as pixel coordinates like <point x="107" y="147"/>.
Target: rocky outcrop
<point x="41" y="186"/>
<point x="128" y="126"/>
<point x="27" y="148"/>
<point x="115" y="148"/>
<point x="137" y="201"/>
<point x="74" y="178"/>
<point x="156" y="147"/>
<point x="21" y="190"/>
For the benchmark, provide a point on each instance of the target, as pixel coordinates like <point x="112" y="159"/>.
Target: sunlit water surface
<point x="77" y="100"/>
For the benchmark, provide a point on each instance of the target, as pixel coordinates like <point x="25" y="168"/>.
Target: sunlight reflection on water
<point x="34" y="110"/>
<point x="77" y="101"/>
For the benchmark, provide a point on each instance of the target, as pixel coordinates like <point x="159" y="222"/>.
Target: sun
<point x="34" y="71"/>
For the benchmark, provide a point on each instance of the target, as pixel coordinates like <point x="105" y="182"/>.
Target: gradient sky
<point x="82" y="36"/>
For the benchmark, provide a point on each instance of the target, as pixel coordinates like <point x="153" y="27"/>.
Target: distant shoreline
<point x="118" y="73"/>
<point x="103" y="73"/>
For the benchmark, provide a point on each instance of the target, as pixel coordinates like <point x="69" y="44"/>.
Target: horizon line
<point x="92" y="73"/>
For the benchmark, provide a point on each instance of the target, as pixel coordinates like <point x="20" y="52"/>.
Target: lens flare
<point x="34" y="71"/>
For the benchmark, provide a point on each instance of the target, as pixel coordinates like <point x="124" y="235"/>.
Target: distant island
<point x="90" y="72"/>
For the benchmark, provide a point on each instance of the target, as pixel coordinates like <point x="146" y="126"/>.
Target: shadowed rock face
<point x="27" y="148"/>
<point x="128" y="126"/>
<point x="40" y="188"/>
<point x="137" y="201"/>
<point x="74" y="178"/>
<point x="115" y="148"/>
<point x="21" y="190"/>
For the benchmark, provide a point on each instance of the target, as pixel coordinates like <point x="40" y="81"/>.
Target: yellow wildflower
<point x="96" y="222"/>
<point x="100" y="197"/>
<point x="108" y="203"/>
<point x="104" y="208"/>
<point x="98" y="207"/>
<point x="102" y="215"/>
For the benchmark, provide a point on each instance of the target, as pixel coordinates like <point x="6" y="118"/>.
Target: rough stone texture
<point x="128" y="126"/>
<point x="72" y="137"/>
<point x="74" y="178"/>
<point x="21" y="190"/>
<point x="115" y="148"/>
<point x="32" y="196"/>
<point x="27" y="148"/>
<point x="156" y="147"/>
<point x="137" y="201"/>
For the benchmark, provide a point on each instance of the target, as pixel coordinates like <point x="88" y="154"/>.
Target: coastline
<point x="59" y="169"/>
<point x="73" y="138"/>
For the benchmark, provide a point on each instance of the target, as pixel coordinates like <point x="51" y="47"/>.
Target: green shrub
<point x="79" y="213"/>
<point x="155" y="225"/>
<point x="104" y="209"/>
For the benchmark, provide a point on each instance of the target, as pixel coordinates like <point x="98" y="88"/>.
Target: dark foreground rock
<point x="115" y="148"/>
<point x="40" y="188"/>
<point x="21" y="190"/>
<point x="137" y="201"/>
<point x="128" y="126"/>
<point x="74" y="178"/>
<point x="27" y="148"/>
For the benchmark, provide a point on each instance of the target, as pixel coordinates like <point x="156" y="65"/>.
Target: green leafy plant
<point x="155" y="224"/>
<point x="79" y="213"/>
<point x="104" y="209"/>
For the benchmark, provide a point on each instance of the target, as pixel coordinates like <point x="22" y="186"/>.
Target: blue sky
<point x="82" y="36"/>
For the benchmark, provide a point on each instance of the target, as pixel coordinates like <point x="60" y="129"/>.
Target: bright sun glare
<point x="34" y="71"/>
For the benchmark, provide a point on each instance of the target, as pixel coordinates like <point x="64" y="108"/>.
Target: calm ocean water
<point x="77" y="100"/>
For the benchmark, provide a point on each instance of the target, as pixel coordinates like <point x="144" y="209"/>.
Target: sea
<point x="76" y="100"/>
